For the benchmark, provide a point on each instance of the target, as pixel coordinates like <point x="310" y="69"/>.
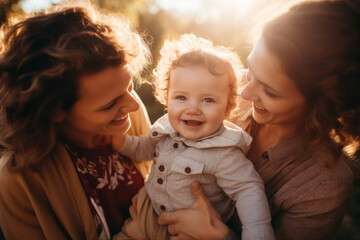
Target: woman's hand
<point x="201" y="221"/>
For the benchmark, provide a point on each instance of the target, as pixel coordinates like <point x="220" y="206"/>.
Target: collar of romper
<point x="227" y="135"/>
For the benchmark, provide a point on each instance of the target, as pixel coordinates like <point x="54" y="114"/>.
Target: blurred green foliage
<point x="232" y="29"/>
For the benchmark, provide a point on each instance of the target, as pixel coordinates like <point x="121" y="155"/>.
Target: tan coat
<point x="49" y="202"/>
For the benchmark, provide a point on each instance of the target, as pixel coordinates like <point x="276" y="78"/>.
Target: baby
<point x="197" y="81"/>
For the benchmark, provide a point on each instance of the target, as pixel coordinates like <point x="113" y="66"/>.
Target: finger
<point x="168" y="217"/>
<point x="202" y="202"/>
<point x="197" y="191"/>
<point x="181" y="237"/>
<point x="172" y="229"/>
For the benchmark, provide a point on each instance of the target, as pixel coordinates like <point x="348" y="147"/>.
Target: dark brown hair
<point x="41" y="59"/>
<point x="318" y="45"/>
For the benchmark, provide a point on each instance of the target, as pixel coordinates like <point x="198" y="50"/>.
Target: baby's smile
<point x="192" y="122"/>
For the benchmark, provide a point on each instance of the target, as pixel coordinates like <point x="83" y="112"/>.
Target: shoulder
<point x="161" y="126"/>
<point x="303" y="190"/>
<point x="240" y="138"/>
<point x="331" y="168"/>
<point x="298" y="172"/>
<point x="15" y="185"/>
<point x="9" y="178"/>
<point x="338" y="176"/>
<point x="324" y="183"/>
<point x="319" y="203"/>
<point x="57" y="164"/>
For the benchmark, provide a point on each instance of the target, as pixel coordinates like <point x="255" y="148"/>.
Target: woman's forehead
<point x="267" y="69"/>
<point x="105" y="81"/>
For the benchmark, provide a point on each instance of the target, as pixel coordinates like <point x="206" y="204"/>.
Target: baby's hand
<point x="117" y="141"/>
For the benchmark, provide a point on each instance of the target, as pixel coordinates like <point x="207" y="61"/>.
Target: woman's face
<point x="275" y="98"/>
<point x="105" y="99"/>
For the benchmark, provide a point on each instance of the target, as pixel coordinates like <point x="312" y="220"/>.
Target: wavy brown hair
<point x="42" y="58"/>
<point x="192" y="50"/>
<point x="318" y="45"/>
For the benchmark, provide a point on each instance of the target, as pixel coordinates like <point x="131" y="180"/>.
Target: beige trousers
<point x="147" y="220"/>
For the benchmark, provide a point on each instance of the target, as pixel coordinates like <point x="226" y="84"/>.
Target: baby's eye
<point x="181" y="98"/>
<point x="208" y="100"/>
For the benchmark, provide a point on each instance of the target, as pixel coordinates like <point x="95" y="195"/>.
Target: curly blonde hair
<point x="192" y="50"/>
<point x="42" y="58"/>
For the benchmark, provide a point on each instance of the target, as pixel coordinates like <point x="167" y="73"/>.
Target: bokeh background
<point x="231" y="23"/>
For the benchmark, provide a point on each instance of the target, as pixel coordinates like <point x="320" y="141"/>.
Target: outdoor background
<point x="231" y="23"/>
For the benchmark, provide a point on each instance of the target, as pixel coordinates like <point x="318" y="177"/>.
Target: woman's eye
<point x="270" y="94"/>
<point x="110" y="106"/>
<point x="208" y="100"/>
<point x="181" y="98"/>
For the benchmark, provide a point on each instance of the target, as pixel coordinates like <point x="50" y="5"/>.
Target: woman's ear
<point x="59" y="117"/>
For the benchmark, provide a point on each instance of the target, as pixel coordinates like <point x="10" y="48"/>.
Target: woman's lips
<point x="119" y="120"/>
<point x="259" y="109"/>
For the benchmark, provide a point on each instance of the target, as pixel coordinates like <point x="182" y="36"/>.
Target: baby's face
<point x="197" y="101"/>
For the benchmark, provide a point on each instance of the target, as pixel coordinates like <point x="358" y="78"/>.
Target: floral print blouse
<point x="110" y="180"/>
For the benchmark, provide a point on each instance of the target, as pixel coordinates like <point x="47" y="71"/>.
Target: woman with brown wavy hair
<point x="65" y="89"/>
<point x="304" y="85"/>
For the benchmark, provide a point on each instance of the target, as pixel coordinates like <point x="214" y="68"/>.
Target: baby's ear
<point x="59" y="117"/>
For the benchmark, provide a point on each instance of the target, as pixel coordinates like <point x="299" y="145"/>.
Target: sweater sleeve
<point x="17" y="218"/>
<point x="140" y="125"/>
<point x="238" y="178"/>
<point x="45" y="201"/>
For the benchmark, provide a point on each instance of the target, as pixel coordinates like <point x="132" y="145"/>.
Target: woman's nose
<point x="131" y="103"/>
<point x="248" y="92"/>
